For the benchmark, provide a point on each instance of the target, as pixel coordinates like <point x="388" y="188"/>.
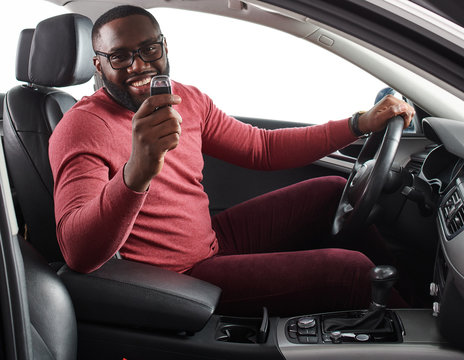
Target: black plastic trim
<point x="388" y="32"/>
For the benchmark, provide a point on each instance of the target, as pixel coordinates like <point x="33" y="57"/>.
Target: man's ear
<point x="165" y="46"/>
<point x="97" y="64"/>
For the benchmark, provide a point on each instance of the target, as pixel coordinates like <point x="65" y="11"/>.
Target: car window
<point x="254" y="71"/>
<point x="248" y="70"/>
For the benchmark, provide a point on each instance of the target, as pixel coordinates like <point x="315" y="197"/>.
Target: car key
<point x="160" y="84"/>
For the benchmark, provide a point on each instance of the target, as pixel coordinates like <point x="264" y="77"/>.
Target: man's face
<point x="129" y="86"/>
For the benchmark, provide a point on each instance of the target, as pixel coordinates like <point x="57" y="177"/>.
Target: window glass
<point x="254" y="71"/>
<point x="248" y="70"/>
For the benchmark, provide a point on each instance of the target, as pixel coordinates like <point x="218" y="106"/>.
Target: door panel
<point x="228" y="185"/>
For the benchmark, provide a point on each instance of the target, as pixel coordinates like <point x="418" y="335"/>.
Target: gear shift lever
<point x="382" y="280"/>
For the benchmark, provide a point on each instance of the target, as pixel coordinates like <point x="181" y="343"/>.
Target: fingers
<point x="156" y="119"/>
<point x="152" y="137"/>
<point x="376" y="119"/>
<point x="407" y="112"/>
<point x="156" y="133"/>
<point x="157" y="101"/>
<point x="397" y="107"/>
<point x="169" y="142"/>
<point x="168" y="134"/>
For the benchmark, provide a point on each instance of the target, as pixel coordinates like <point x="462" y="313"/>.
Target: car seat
<point x="124" y="296"/>
<point x="44" y="322"/>
<point x="38" y="318"/>
<point x="57" y="53"/>
<point x="52" y="319"/>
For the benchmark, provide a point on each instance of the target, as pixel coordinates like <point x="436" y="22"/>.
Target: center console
<point x="375" y="333"/>
<point x="316" y="329"/>
<point x="374" y="325"/>
<point x="415" y="336"/>
<point x="172" y="316"/>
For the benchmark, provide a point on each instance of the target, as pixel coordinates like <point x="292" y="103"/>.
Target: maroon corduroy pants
<point x="275" y="251"/>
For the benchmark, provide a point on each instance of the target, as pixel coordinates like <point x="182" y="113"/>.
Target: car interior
<point x="128" y="310"/>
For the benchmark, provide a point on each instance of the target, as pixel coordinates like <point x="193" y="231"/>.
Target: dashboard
<point x="443" y="171"/>
<point x="441" y="168"/>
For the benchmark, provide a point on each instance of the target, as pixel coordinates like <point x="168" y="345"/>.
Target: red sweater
<point x="169" y="225"/>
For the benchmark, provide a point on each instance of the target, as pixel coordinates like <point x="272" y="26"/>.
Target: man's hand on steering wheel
<point x="377" y="118"/>
<point x="385" y="121"/>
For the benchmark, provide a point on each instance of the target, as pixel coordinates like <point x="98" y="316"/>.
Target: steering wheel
<point x="367" y="178"/>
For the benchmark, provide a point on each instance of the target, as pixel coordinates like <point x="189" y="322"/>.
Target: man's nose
<point x="138" y="64"/>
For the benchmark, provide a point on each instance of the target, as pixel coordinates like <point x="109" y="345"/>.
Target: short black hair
<point x="117" y="13"/>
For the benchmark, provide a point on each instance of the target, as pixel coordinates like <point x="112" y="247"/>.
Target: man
<point x="127" y="170"/>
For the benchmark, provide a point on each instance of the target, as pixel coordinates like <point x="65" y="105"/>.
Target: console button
<point x="307" y="339"/>
<point x="362" y="337"/>
<point x="292" y="335"/>
<point x="292" y="330"/>
<point x="336" y="337"/>
<point x="306" y="322"/>
<point x="311" y="331"/>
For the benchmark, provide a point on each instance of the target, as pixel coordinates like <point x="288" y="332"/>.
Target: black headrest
<point x="61" y="51"/>
<point x="22" y="54"/>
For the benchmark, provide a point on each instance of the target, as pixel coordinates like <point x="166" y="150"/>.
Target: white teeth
<point x="141" y="82"/>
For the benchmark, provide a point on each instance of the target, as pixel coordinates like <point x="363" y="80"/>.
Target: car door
<point x="15" y="339"/>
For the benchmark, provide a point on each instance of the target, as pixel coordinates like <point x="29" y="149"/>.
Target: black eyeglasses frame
<point x="134" y="53"/>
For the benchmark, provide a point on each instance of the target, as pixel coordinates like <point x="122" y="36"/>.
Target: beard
<point x="122" y="96"/>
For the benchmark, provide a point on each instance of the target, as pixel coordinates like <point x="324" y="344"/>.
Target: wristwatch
<point x="354" y="124"/>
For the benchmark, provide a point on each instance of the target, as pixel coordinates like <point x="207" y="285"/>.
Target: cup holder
<point x="243" y="330"/>
<point x="237" y="334"/>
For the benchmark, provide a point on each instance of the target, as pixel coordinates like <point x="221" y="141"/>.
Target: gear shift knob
<point x="383" y="278"/>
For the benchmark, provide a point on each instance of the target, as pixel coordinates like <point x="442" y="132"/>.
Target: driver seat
<point x="57" y="53"/>
<point x="43" y="317"/>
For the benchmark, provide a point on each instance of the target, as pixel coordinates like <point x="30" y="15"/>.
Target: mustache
<point x="144" y="73"/>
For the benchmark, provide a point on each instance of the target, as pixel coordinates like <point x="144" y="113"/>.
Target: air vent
<point x="414" y="166"/>
<point x="452" y="212"/>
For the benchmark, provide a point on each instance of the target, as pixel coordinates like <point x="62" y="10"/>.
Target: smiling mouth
<point x="141" y="82"/>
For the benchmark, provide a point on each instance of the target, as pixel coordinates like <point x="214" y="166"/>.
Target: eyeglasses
<point x="122" y="59"/>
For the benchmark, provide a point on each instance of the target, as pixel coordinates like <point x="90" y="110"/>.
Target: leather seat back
<point x="53" y="326"/>
<point x="57" y="53"/>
